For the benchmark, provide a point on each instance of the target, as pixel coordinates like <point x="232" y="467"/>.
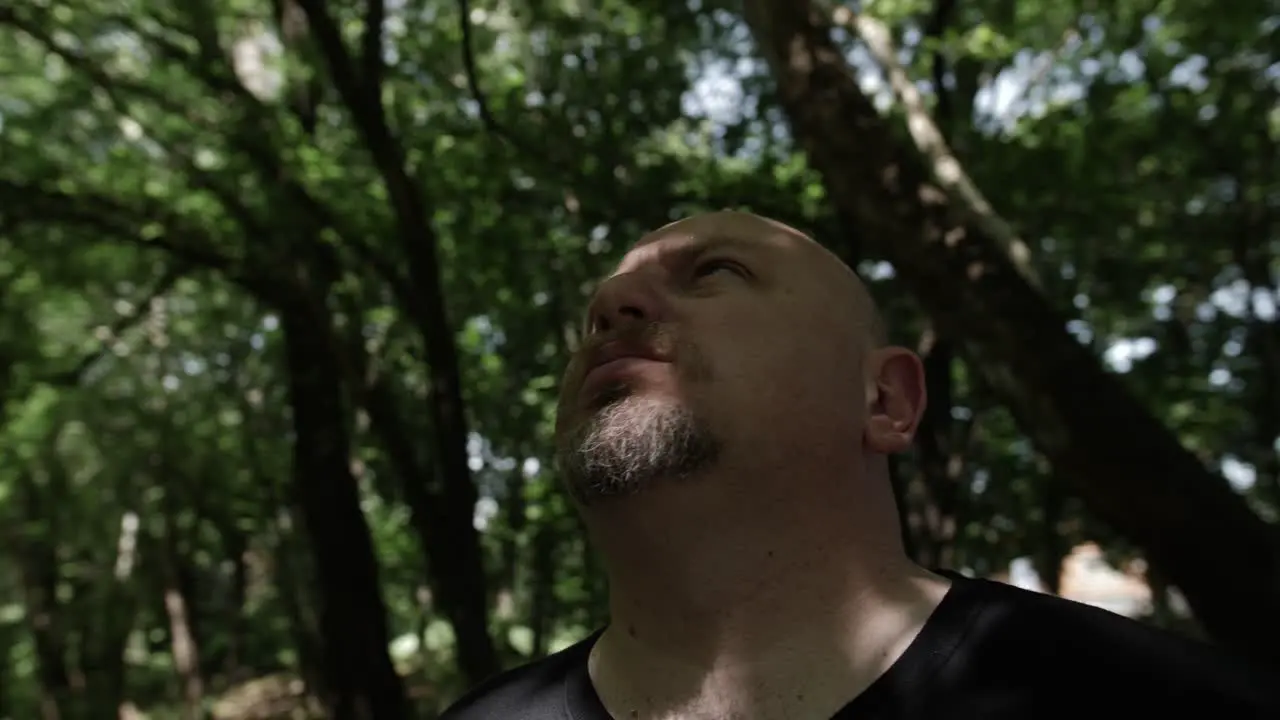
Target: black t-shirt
<point x="989" y="651"/>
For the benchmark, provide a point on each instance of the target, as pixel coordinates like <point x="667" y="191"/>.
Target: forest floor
<point x="282" y="697"/>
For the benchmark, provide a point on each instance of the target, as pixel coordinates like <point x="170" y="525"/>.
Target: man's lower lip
<point x="612" y="369"/>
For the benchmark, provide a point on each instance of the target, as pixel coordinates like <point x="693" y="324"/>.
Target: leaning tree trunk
<point x="1130" y="469"/>
<point x="359" y="680"/>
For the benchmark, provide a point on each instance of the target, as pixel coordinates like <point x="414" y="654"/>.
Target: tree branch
<point x="473" y="85"/>
<point x="425" y="305"/>
<point x="1189" y="522"/>
<point x="341" y="66"/>
<point x="371" y="45"/>
<point x="540" y="153"/>
<point x="254" y="145"/>
<point x="943" y="164"/>
<point x="943" y="12"/>
<point x="76" y="373"/>
<point x="151" y="225"/>
<point x="220" y="80"/>
<point x="93" y="72"/>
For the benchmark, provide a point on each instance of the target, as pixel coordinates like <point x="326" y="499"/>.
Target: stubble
<point x="632" y="440"/>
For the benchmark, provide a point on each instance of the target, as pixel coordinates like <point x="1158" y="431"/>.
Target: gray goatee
<point x="630" y="442"/>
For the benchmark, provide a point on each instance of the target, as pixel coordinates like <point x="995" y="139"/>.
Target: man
<point x="725" y="432"/>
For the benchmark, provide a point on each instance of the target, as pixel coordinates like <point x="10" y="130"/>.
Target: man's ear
<point x="895" y="399"/>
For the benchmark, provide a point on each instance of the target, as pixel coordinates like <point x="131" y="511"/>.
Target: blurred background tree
<point x="285" y="289"/>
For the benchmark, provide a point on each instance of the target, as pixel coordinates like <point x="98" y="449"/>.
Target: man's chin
<point x="608" y="396"/>
<point x="632" y="443"/>
<point x="625" y="401"/>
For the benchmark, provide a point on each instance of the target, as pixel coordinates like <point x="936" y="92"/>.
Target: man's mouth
<point x="614" y="372"/>
<point x="620" y="350"/>
<point x="606" y="396"/>
<point x="612" y="365"/>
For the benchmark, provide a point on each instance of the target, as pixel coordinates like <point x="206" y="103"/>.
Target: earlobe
<point x="895" y="400"/>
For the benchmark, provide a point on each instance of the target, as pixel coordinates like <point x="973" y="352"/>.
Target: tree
<point x="1188" y="521"/>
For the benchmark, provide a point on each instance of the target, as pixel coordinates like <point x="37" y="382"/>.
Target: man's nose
<point x="624" y="299"/>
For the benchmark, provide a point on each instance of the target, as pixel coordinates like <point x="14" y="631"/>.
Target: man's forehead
<point x="753" y="233"/>
<point x="743" y="226"/>
<point x="725" y="229"/>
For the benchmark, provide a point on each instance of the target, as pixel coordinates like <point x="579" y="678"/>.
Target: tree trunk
<point x="1054" y="549"/>
<point x="289" y="561"/>
<point x="359" y="679"/>
<point x="293" y="595"/>
<point x="40" y="571"/>
<point x="8" y="641"/>
<point x="543" y="584"/>
<point x="931" y="502"/>
<point x="454" y="576"/>
<point x="185" y="653"/>
<point x="234" y="614"/>
<point x="172" y="548"/>
<point x="103" y="640"/>
<point x="1253" y="256"/>
<point x="55" y="680"/>
<point x="357" y="80"/>
<point x="1126" y="466"/>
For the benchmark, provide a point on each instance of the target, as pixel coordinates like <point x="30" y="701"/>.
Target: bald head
<point x="723" y="340"/>
<point x="823" y="271"/>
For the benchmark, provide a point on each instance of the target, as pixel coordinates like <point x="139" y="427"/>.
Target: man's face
<point x="718" y="339"/>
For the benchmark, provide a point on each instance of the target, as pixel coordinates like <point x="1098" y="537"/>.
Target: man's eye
<point x="711" y="267"/>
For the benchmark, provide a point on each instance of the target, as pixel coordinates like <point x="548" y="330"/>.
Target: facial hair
<point x="632" y="441"/>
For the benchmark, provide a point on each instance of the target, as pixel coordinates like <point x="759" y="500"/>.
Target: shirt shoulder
<point x="1066" y="651"/>
<point x="534" y="691"/>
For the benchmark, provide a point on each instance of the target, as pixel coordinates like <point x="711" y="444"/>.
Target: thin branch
<point x="490" y="121"/>
<point x="573" y="175"/>
<point x="1038" y="79"/>
<point x="111" y="87"/>
<point x="92" y="70"/>
<point x="943" y="164"/>
<point x="76" y="373"/>
<point x="369" y="116"/>
<point x="29" y="202"/>
<point x="328" y="38"/>
<point x="943" y="12"/>
<point x="371" y="45"/>
<point x="469" y="69"/>
<point x="219" y="80"/>
<point x="254" y="146"/>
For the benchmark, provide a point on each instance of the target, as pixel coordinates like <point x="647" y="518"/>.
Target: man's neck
<point x="813" y="602"/>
